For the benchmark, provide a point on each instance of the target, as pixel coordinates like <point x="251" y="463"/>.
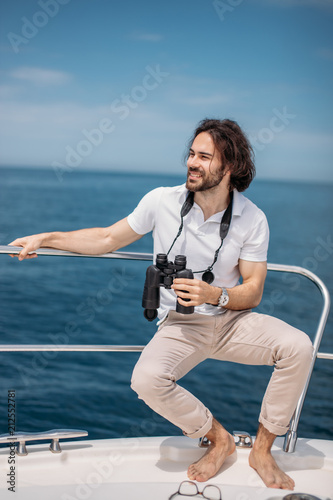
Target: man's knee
<point x="299" y="348"/>
<point x="304" y="348"/>
<point x="149" y="380"/>
<point x="306" y="351"/>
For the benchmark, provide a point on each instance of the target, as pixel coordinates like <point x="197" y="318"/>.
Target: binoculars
<point x="163" y="274"/>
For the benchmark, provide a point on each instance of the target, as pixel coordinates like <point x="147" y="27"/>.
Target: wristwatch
<point x="224" y="297"/>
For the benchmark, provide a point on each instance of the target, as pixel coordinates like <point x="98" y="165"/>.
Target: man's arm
<point x="92" y="241"/>
<point x="244" y="296"/>
<point x="248" y="295"/>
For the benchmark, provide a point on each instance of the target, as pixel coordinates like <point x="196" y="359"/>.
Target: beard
<point x="205" y="182"/>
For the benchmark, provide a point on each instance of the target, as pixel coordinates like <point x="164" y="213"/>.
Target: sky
<point x="101" y="84"/>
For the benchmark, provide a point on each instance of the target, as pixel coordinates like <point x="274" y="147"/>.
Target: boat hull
<point x="152" y="469"/>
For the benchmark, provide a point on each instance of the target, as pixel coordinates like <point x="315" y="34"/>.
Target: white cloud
<point x="35" y="134"/>
<point x="300" y="155"/>
<point x="10" y="91"/>
<point x="305" y="140"/>
<point x="40" y="76"/>
<point x="205" y="94"/>
<point x="150" y="138"/>
<point x="60" y="118"/>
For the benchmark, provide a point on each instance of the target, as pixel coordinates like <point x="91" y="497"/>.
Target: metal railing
<point x="291" y="436"/>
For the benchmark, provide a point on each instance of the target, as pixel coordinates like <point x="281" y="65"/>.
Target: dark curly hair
<point x="234" y="148"/>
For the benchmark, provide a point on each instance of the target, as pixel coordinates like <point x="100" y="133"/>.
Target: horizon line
<point x="111" y="170"/>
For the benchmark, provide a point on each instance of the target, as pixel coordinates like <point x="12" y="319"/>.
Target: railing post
<point x="291" y="436"/>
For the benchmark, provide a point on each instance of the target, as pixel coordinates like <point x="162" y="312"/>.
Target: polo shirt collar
<point x="237" y="207"/>
<point x="238" y="203"/>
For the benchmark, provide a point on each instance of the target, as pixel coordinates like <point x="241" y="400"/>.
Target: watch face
<point x="224" y="299"/>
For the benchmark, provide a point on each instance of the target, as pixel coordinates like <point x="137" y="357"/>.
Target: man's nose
<point x="192" y="161"/>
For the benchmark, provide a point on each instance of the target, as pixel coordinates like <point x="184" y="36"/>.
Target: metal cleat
<point x="204" y="442"/>
<point x="21" y="438"/>
<point x="242" y="439"/>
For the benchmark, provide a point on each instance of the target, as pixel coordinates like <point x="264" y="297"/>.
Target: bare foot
<point x="262" y="461"/>
<point x="269" y="471"/>
<point x="222" y="445"/>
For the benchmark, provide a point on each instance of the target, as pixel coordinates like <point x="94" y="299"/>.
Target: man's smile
<point x="194" y="175"/>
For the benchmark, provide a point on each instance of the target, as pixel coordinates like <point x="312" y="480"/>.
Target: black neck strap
<point x="187" y="205"/>
<point x="224" y="226"/>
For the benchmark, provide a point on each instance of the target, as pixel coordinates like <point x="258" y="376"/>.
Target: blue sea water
<point x="55" y="300"/>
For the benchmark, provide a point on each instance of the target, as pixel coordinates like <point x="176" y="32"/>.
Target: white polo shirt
<point x="247" y="239"/>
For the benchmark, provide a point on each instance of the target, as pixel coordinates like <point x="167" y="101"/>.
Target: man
<point x="224" y="237"/>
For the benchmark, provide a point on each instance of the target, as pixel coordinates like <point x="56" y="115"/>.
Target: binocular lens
<point x="180" y="260"/>
<point x="161" y="260"/>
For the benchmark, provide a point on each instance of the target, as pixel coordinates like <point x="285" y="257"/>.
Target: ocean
<point x="59" y="300"/>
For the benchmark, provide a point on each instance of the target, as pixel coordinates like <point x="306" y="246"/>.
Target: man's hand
<point x="196" y="292"/>
<point x="245" y="296"/>
<point x="29" y="244"/>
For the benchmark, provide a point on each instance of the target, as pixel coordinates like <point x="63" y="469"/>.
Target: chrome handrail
<point x="291" y="436"/>
<point x="8" y="249"/>
<point x="69" y="348"/>
<point x="324" y="355"/>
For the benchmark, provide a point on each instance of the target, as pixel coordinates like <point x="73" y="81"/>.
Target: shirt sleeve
<point x="142" y="219"/>
<point x="256" y="244"/>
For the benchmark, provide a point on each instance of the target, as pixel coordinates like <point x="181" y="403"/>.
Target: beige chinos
<point x="183" y="341"/>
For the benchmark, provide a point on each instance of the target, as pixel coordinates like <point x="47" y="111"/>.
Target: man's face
<point x="204" y="170"/>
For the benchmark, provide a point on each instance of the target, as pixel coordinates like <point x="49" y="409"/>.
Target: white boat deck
<point x="152" y="469"/>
